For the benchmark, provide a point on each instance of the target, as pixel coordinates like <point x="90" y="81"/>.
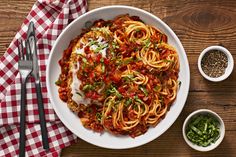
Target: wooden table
<point x="198" y="25"/>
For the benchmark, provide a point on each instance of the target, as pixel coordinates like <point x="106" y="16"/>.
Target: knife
<point x="35" y="73"/>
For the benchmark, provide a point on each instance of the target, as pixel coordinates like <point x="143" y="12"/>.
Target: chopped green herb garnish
<point x="89" y="110"/>
<point x="100" y="47"/>
<point x="135" y="107"/>
<point x="98" y="83"/>
<point x="127" y="61"/>
<point x="104" y="46"/>
<point x="103" y="68"/>
<point x="161" y="40"/>
<point x="115" y="45"/>
<point x="128" y="102"/>
<point x="118" y="61"/>
<point x="85" y="74"/>
<point x="99" y="116"/>
<point x="144" y="90"/>
<point x="129" y="78"/>
<point x="113" y="54"/>
<point x="157" y="88"/>
<point x="138" y="100"/>
<point x="104" y="30"/>
<point x="84" y="60"/>
<point x="79" y="94"/>
<point x="113" y="90"/>
<point x="93" y="42"/>
<point x="147" y="43"/>
<point x="97" y="49"/>
<point x="119" y="95"/>
<point x="203" y="130"/>
<point x="81" y="55"/>
<point x="83" y="66"/>
<point x="180" y="83"/>
<point x="136" y="48"/>
<point x="88" y="87"/>
<point x="58" y="82"/>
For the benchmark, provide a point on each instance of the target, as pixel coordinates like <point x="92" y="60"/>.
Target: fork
<point x="25" y="66"/>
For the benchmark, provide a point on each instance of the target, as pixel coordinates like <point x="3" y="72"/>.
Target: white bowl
<point x="72" y="121"/>
<point x="221" y="126"/>
<point x="228" y="70"/>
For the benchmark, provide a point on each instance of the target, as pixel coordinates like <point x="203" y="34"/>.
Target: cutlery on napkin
<point x="31" y="40"/>
<point x="30" y="57"/>
<point x="49" y="18"/>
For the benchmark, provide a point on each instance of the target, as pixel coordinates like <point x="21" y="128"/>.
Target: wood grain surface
<point x="198" y="24"/>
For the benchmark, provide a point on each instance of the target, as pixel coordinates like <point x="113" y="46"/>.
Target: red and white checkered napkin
<point x="50" y="18"/>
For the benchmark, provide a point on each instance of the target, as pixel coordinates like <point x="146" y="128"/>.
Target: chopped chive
<point x="144" y="90"/>
<point x="88" y="87"/>
<point x="79" y="94"/>
<point x="138" y="100"/>
<point x="58" y="82"/>
<point x="161" y="38"/>
<point x="128" y="102"/>
<point x="81" y="55"/>
<point x="103" y="68"/>
<point x="93" y="42"/>
<point x="156" y="88"/>
<point x="128" y="78"/>
<point x="180" y="83"/>
<point x="90" y="110"/>
<point x="203" y="130"/>
<point x="127" y="61"/>
<point x="99" y="116"/>
<point x="84" y="60"/>
<point x="135" y="107"/>
<point x="147" y="43"/>
<point x="113" y="90"/>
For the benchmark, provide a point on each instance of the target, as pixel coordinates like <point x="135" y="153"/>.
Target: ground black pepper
<point x="214" y="63"/>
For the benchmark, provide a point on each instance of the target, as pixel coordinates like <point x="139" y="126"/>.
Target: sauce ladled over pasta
<point x="120" y="76"/>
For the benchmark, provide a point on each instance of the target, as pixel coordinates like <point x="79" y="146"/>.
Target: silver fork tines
<point x="25" y="66"/>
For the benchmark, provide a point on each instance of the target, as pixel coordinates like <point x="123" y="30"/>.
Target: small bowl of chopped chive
<point x="215" y="63"/>
<point x="203" y="130"/>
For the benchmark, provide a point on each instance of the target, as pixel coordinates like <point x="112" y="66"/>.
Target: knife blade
<point x="32" y="44"/>
<point x="31" y="38"/>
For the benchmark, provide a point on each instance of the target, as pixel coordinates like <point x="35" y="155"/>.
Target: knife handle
<point x="42" y="116"/>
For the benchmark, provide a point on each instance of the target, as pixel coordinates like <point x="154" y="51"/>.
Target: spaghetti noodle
<point x="120" y="75"/>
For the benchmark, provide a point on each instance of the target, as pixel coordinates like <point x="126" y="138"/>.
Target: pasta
<point x="120" y="76"/>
